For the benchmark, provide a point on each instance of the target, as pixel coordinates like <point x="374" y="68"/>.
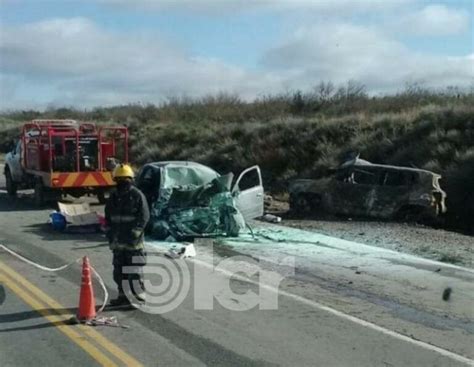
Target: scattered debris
<point x="78" y="214"/>
<point x="77" y="218"/>
<point x="271" y="218"/>
<point x="57" y="221"/>
<point x="187" y="250"/>
<point x="447" y="293"/>
<point x="106" y="321"/>
<point x="98" y="321"/>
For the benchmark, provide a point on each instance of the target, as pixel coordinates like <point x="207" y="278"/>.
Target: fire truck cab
<point x="59" y="157"/>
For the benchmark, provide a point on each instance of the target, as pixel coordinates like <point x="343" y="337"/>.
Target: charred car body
<point x="360" y="188"/>
<point x="188" y="199"/>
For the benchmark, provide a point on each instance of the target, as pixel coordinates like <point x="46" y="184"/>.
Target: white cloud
<point x="218" y="6"/>
<point x="76" y="62"/>
<point x="90" y="66"/>
<point x="77" y="46"/>
<point x="340" y="52"/>
<point x="434" y="20"/>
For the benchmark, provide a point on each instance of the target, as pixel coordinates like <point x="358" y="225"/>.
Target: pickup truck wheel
<point x="11" y="185"/>
<point x="39" y="194"/>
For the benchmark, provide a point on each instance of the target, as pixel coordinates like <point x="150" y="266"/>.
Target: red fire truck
<point x="59" y="157"/>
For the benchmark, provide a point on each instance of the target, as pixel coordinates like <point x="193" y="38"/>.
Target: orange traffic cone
<point x="86" y="309"/>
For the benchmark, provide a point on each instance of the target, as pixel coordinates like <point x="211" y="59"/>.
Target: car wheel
<point x="39" y="194"/>
<point x="302" y="204"/>
<point x="11" y="186"/>
<point x="417" y="215"/>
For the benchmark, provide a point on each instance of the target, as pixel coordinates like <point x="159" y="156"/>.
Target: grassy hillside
<point x="302" y="135"/>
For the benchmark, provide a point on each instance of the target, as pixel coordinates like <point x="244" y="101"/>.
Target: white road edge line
<point x="343" y="315"/>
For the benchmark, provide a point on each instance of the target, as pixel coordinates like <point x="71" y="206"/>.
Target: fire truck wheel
<point x="39" y="193"/>
<point x="101" y="197"/>
<point x="11" y="186"/>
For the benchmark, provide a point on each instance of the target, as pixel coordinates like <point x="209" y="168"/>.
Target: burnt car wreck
<point x="360" y="188"/>
<point x="189" y="200"/>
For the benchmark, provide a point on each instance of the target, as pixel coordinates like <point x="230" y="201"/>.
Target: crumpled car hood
<point x="188" y="210"/>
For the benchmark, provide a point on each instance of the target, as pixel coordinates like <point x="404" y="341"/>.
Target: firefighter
<point x="127" y="214"/>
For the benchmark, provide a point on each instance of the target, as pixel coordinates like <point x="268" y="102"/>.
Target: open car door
<point x="248" y="193"/>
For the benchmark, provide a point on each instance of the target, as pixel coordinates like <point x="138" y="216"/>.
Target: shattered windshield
<point x="185" y="176"/>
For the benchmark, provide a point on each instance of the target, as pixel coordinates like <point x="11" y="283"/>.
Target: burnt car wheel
<point x="304" y="204"/>
<point x="415" y="214"/>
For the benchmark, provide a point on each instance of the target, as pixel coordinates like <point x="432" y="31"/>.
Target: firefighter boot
<point x="121" y="300"/>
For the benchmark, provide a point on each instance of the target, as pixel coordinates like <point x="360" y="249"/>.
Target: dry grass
<point x="291" y="136"/>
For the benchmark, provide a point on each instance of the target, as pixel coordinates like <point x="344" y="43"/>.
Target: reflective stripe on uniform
<point x="122" y="246"/>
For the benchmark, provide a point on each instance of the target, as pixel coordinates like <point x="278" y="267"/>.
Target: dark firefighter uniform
<point x="127" y="214"/>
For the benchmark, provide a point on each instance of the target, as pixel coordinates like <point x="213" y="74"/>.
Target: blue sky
<point x="105" y="52"/>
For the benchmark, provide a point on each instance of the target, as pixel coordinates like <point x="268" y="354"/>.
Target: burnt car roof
<point x="362" y="163"/>
<point x="396" y="168"/>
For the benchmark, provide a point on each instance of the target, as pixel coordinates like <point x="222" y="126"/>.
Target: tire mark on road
<point x="2" y="294"/>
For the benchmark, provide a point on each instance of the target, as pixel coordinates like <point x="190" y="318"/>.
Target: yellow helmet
<point x="123" y="170"/>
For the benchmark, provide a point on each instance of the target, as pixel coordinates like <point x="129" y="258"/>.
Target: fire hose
<point x="110" y="321"/>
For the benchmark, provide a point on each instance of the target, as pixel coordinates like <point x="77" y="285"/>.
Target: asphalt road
<point x="42" y="341"/>
<point x="341" y="304"/>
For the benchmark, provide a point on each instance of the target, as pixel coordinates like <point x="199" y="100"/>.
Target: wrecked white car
<point x="360" y="188"/>
<point x="188" y="199"/>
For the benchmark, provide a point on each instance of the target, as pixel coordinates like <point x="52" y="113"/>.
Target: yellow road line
<point x="58" y="321"/>
<point x="115" y="350"/>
